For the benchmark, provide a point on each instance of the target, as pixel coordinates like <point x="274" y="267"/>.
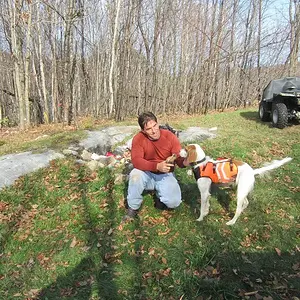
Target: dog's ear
<point x="192" y="154"/>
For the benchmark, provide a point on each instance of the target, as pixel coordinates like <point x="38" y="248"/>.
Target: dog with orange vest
<point x="224" y="171"/>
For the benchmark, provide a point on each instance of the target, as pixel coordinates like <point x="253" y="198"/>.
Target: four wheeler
<point x="281" y="102"/>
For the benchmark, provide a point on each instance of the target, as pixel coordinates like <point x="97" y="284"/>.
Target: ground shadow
<point x="95" y="271"/>
<point x="253" y="116"/>
<point x="251" y="276"/>
<point x="191" y="196"/>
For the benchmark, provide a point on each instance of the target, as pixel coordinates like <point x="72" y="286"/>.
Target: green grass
<point x="53" y="140"/>
<point x="60" y="235"/>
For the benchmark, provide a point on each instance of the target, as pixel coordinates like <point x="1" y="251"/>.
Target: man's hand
<point x="164" y="167"/>
<point x="171" y="159"/>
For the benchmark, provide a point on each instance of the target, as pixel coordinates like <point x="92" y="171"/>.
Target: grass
<point x="61" y="237"/>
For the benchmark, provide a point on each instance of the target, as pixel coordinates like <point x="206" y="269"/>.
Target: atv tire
<point x="263" y="113"/>
<point x="279" y="115"/>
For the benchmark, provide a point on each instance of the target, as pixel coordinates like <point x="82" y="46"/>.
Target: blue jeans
<point x="166" y="187"/>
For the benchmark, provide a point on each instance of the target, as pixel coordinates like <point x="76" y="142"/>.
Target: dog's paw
<point x="199" y="219"/>
<point x="231" y="222"/>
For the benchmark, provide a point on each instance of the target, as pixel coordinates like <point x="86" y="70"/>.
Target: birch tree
<point x="113" y="57"/>
<point x="20" y="13"/>
<point x="294" y="13"/>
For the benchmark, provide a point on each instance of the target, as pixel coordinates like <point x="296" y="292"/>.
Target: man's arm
<point x="180" y="161"/>
<point x="138" y="153"/>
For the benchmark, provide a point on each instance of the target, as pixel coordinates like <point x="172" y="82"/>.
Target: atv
<point x="281" y="102"/>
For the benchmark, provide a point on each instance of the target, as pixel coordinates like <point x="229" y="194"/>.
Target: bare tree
<point x="113" y="55"/>
<point x="294" y="12"/>
<point x="116" y="58"/>
<point x="20" y="14"/>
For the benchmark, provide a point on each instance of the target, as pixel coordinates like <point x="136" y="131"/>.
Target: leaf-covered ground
<point x="61" y="234"/>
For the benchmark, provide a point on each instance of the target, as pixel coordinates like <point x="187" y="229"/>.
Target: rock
<point x="120" y="178"/>
<point x="94" y="165"/>
<point x="101" y="141"/>
<point x="80" y="162"/>
<point x="120" y="150"/>
<point x="96" y="156"/>
<point x="129" y="144"/>
<point x="86" y="155"/>
<point x="70" y="152"/>
<point x="75" y="148"/>
<point x="12" y="166"/>
<point x="196" y="134"/>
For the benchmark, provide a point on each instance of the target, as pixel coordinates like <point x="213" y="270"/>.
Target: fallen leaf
<point x="164" y="261"/>
<point x="3" y="206"/>
<point x="151" y="251"/>
<point x="165" y="232"/>
<point x="147" y="275"/>
<point x="235" y="271"/>
<point x="165" y="272"/>
<point x="215" y="271"/>
<point x="250" y="293"/>
<point x="73" y="243"/>
<point x="136" y="232"/>
<point x="278" y="251"/>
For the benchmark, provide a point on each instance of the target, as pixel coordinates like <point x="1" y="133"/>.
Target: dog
<point x="224" y="171"/>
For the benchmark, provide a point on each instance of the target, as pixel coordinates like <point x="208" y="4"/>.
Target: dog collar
<point x="197" y="162"/>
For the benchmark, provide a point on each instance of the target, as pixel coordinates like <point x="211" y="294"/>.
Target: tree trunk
<point x="21" y="58"/>
<point x="112" y="63"/>
<point x="295" y="35"/>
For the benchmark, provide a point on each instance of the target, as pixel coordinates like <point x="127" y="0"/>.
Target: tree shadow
<point x="262" y="273"/>
<point x="250" y="276"/>
<point x="96" y="270"/>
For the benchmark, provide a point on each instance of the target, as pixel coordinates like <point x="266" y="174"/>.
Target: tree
<point x="113" y="55"/>
<point x="20" y="13"/>
<point x="294" y="12"/>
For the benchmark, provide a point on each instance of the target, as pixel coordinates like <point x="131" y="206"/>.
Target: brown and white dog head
<point x="193" y="153"/>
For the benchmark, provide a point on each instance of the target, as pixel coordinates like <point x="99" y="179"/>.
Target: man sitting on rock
<point x="154" y="153"/>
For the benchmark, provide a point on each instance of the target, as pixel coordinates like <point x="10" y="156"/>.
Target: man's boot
<point x="130" y="214"/>
<point x="159" y="205"/>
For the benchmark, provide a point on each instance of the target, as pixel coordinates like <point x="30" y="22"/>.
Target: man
<point x="150" y="149"/>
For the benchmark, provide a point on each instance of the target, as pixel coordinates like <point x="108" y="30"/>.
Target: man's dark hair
<point x="145" y="117"/>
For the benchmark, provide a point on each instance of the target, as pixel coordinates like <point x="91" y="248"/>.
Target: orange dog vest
<point x="218" y="172"/>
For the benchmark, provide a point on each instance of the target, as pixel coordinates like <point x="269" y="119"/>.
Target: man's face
<point x="151" y="129"/>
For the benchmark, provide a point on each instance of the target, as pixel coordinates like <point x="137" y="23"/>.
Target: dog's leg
<point x="204" y="185"/>
<point x="245" y="184"/>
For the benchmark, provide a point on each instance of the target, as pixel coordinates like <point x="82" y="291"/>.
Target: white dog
<point x="224" y="171"/>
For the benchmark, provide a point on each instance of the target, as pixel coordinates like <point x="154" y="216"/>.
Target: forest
<point x="64" y="59"/>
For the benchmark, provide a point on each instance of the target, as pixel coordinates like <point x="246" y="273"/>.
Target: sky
<point x="279" y="9"/>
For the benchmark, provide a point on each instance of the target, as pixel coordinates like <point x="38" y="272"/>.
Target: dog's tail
<point x="272" y="165"/>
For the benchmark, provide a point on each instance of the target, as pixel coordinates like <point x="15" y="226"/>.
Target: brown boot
<point x="159" y="205"/>
<point x="130" y="215"/>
